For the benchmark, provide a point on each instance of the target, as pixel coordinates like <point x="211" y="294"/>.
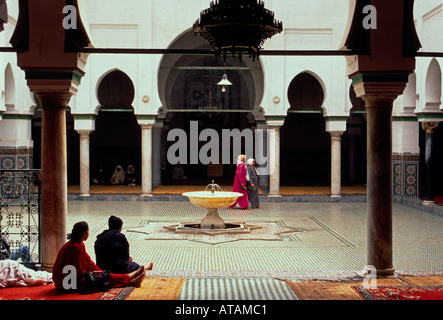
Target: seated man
<point x="112" y="249"/>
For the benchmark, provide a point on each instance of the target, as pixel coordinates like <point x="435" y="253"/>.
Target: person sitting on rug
<point x="118" y="177"/>
<point x="130" y="175"/>
<point x="112" y="249"/>
<point x="73" y="254"/>
<point x="22" y="252"/>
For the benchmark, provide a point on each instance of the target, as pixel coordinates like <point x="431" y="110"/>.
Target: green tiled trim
<point x="84" y="116"/>
<point x="404" y="119"/>
<point x="117" y="110"/>
<point x="74" y="75"/>
<point x="333" y="118"/>
<point x="275" y="118"/>
<point x="380" y="77"/>
<point x="147" y="117"/>
<point x="305" y="111"/>
<point x="430" y="116"/>
<point x="17" y="117"/>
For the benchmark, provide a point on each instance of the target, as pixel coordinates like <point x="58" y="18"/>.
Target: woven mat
<point x="423" y="280"/>
<point x="328" y="290"/>
<point x="236" y="289"/>
<point x="158" y="289"/>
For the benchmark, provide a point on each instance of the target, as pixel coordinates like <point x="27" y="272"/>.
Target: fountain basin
<point x="209" y="200"/>
<point x="212" y="201"/>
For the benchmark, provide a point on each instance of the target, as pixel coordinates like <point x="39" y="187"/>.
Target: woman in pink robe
<point x="240" y="184"/>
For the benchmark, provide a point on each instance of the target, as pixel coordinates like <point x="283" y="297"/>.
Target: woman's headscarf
<point x="251" y="163"/>
<point x="241" y="159"/>
<point x="119" y="172"/>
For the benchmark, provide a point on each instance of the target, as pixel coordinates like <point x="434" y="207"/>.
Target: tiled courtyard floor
<point x="331" y="242"/>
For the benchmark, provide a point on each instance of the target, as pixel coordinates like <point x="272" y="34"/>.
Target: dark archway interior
<point x="436" y="165"/>
<point x="354" y="143"/>
<point x="193" y="86"/>
<point x="116" y="91"/>
<point x="305" y="145"/>
<point x="116" y="139"/>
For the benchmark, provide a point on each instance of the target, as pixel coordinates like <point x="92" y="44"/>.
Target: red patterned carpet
<point x="402" y="293"/>
<point x="49" y="292"/>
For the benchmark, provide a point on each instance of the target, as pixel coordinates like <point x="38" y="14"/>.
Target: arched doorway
<point x="305" y="144"/>
<point x="117" y="136"/>
<point x="432" y="170"/>
<point x="9" y="91"/>
<point x="189" y="90"/>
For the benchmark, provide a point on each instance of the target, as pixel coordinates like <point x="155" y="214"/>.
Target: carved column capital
<point x="84" y="134"/>
<point x="54" y="99"/>
<point x="378" y="93"/>
<point x="429" y="127"/>
<point x="336" y="135"/>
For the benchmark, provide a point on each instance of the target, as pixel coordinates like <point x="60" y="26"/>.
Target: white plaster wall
<point x="307" y="24"/>
<point x="157" y="23"/>
<point x="15" y="133"/>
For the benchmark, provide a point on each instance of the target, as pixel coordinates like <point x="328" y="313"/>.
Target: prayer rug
<point x="49" y="292"/>
<point x="158" y="289"/>
<point x="423" y="281"/>
<point x="333" y="290"/>
<point x="323" y="291"/>
<point x="116" y="294"/>
<point x="401" y="293"/>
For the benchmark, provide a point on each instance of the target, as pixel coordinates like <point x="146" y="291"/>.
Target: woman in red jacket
<point x="74" y="254"/>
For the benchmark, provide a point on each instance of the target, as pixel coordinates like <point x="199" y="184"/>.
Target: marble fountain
<point x="212" y="199"/>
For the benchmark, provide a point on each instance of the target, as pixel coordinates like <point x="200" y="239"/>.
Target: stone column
<point x="53" y="176"/>
<point x="146" y="159"/>
<point x="274" y="157"/>
<point x="156" y="154"/>
<point x="53" y="69"/>
<point x="262" y="154"/>
<point x="380" y="71"/>
<point x="429" y="128"/>
<point x="84" y="163"/>
<point x="379" y="98"/>
<point x="379" y="184"/>
<point x="336" y="164"/>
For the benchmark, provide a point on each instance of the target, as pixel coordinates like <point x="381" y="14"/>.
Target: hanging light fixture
<point x="224" y="82"/>
<point x="237" y="27"/>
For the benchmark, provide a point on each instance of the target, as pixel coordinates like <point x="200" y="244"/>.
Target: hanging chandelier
<point x="237" y="27"/>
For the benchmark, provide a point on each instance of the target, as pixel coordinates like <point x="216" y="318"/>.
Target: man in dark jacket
<point x="112" y="249"/>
